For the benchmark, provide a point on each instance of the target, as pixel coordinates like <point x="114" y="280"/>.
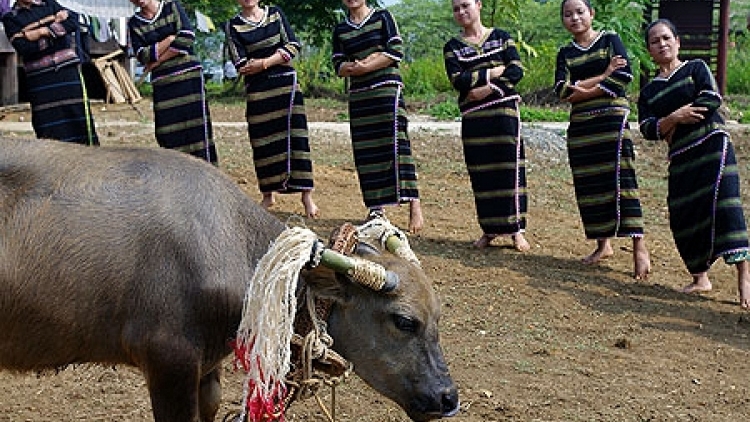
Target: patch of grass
<point x="543" y="114"/>
<point x="445" y="110"/>
<point x="738" y="107"/>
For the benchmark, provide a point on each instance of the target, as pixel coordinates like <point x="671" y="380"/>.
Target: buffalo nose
<point x="449" y="402"/>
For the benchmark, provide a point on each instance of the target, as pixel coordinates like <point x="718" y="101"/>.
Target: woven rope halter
<point x="309" y="361"/>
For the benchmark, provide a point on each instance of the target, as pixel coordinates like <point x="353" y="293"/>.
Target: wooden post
<point x="8" y="71"/>
<point x="721" y="57"/>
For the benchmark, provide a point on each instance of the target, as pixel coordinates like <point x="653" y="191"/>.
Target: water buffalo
<point x="141" y="256"/>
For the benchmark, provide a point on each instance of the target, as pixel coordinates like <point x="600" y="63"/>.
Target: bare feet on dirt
<point x="311" y="210"/>
<point x="743" y="283"/>
<point x="268" y="200"/>
<point x="416" y="221"/>
<point x="484" y="241"/>
<point x="700" y="284"/>
<point x="520" y="243"/>
<point x="641" y="259"/>
<point x="603" y="251"/>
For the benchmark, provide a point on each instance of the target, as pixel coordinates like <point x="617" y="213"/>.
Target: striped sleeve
<point x="562" y="76"/>
<point x="394" y="44"/>
<point x="462" y="79"/>
<point x="708" y="91"/>
<point x="619" y="79"/>
<point x="185" y="36"/>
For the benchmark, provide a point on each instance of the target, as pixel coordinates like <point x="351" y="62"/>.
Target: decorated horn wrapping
<point x="366" y="273"/>
<point x="381" y="231"/>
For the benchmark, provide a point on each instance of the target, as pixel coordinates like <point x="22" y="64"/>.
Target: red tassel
<point x="260" y="408"/>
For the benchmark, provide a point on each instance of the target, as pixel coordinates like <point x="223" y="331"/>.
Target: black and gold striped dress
<point x="377" y="113"/>
<point x="600" y="149"/>
<point x="181" y="113"/>
<point x="60" y="107"/>
<point x="705" y="208"/>
<point x="276" y="120"/>
<point x="491" y="129"/>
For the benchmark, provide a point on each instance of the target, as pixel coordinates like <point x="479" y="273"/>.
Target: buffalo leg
<point x="173" y="377"/>
<point x="210" y="395"/>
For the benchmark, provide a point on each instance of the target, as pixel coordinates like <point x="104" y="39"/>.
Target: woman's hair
<point x="562" y="6"/>
<point x="666" y="22"/>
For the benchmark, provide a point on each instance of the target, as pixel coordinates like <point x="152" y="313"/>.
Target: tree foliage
<point x="314" y="18"/>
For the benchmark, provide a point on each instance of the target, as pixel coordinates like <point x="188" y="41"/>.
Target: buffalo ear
<point x="327" y="284"/>
<point x="364" y="249"/>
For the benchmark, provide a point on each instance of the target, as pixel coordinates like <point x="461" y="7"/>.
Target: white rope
<point x="266" y="327"/>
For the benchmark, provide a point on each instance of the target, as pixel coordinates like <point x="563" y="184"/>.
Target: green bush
<point x="316" y="75"/>
<point x="425" y="76"/>
<point x="738" y="67"/>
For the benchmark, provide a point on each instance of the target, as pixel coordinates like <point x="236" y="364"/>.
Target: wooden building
<point x="703" y="27"/>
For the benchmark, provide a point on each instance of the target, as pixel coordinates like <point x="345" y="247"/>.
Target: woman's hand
<point x="355" y="68"/>
<point x="580" y="93"/>
<point x="36" y="34"/>
<point x="688" y="114"/>
<point x="617" y="62"/>
<point x="479" y="93"/>
<point x="685" y="115"/>
<point x="253" y="67"/>
<point x="496" y="71"/>
<point x="61" y="16"/>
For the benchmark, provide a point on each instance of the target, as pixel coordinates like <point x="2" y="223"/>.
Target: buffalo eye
<point x="406" y="324"/>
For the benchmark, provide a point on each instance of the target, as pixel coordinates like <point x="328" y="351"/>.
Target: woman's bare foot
<point x="743" y="283"/>
<point x="603" y="251"/>
<point x="311" y="210"/>
<point x="520" y="243"/>
<point x="641" y="259"/>
<point x="700" y="284"/>
<point x="416" y="221"/>
<point x="484" y="241"/>
<point x="268" y="200"/>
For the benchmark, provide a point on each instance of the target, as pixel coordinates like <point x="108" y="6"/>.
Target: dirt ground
<point x="536" y="336"/>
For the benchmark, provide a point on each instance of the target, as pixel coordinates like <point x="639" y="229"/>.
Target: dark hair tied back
<point x="562" y="6"/>
<point x="666" y="22"/>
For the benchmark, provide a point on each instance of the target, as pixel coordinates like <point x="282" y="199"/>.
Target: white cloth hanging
<point x="100" y="8"/>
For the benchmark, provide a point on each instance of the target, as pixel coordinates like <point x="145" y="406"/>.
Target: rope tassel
<point x="266" y="329"/>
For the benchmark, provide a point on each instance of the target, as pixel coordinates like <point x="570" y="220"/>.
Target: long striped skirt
<point x="60" y="106"/>
<point x="277" y="126"/>
<point x="601" y="156"/>
<point x="495" y="159"/>
<point x="182" y="117"/>
<point x="705" y="210"/>
<point x="382" y="150"/>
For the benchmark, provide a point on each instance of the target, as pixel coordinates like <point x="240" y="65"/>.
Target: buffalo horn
<point x="366" y="273"/>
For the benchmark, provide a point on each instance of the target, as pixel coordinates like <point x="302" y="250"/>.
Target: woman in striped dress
<point x="484" y="66"/>
<point x="162" y="38"/>
<point x="592" y="74"/>
<point x="681" y="106"/>
<point x="367" y="48"/>
<point x="41" y="32"/>
<point x="261" y="46"/>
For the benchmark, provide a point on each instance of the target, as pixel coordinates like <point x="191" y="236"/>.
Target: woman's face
<point x="248" y="3"/>
<point x="466" y="12"/>
<point x="662" y="44"/>
<point x="354" y="4"/>
<point x="140" y="3"/>
<point x="577" y="16"/>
